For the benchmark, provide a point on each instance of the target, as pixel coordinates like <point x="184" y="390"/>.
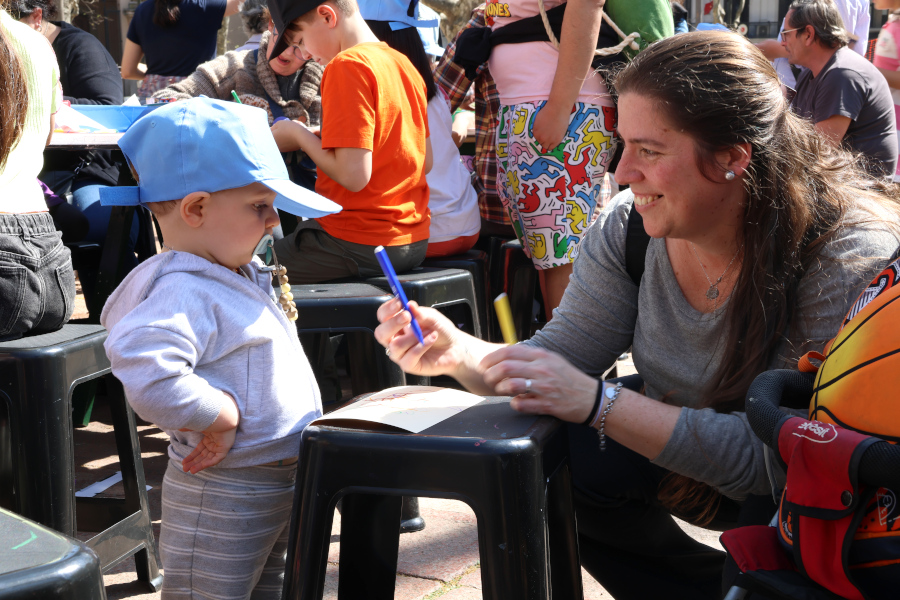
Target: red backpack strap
<point x="821" y="499"/>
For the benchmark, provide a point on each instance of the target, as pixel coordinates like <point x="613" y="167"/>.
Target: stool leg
<point x="147" y="559"/>
<point x="565" y="565"/>
<point x="410" y="518"/>
<point x="513" y="543"/>
<point x="370" y="540"/>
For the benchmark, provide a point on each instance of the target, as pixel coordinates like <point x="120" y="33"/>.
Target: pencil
<point x="235" y="96"/>
<point x="504" y="316"/>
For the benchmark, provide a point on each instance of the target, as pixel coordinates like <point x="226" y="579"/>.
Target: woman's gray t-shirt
<point x="677" y="349"/>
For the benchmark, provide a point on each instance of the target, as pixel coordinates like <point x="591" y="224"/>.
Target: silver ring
<point x="527" y="386"/>
<point x="387" y="351"/>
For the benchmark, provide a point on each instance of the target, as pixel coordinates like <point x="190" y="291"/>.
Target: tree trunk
<point x="454" y="14"/>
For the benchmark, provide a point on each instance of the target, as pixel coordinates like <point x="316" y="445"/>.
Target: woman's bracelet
<point x="595" y="411"/>
<point x="611" y="394"/>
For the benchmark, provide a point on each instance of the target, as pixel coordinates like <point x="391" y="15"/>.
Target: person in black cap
<point x="374" y="150"/>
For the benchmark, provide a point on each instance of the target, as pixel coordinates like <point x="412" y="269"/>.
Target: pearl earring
<point x="729" y="175"/>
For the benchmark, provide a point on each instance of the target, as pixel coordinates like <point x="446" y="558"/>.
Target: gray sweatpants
<point x="224" y="532"/>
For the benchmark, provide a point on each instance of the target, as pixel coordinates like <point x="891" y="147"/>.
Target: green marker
<point x="235" y="96"/>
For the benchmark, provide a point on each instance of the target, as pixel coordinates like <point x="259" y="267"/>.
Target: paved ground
<point x="439" y="562"/>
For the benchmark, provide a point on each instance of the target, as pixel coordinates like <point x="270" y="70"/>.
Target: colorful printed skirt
<point x="552" y="196"/>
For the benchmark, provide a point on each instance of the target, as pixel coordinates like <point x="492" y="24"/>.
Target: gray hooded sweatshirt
<point x="182" y="330"/>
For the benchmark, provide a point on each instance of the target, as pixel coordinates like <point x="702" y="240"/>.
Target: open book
<point x="413" y="408"/>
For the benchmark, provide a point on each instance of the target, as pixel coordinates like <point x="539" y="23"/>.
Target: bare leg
<point x="553" y="285"/>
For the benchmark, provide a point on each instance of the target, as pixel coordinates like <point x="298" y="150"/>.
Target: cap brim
<point x="300" y="201"/>
<point x="283" y="13"/>
<point x="120" y="196"/>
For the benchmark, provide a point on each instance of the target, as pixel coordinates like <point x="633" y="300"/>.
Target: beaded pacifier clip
<point x="286" y="299"/>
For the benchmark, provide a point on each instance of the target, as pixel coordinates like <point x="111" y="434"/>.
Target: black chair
<point x="512" y="272"/>
<point x="37" y="378"/>
<point x="476" y="263"/>
<point x="36" y="562"/>
<point x="512" y="469"/>
<point x="451" y="291"/>
<point x="349" y="308"/>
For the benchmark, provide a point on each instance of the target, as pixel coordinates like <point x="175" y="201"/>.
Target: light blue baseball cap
<point x="399" y="13"/>
<point x="206" y="145"/>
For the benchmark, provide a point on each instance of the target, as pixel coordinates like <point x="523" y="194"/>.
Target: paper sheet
<point x="413" y="407"/>
<point x="69" y="120"/>
<point x="101" y="486"/>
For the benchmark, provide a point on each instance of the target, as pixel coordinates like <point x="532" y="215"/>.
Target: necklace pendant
<point x="712" y="293"/>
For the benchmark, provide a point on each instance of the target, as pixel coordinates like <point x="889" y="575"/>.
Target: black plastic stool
<point x="37" y="376"/>
<point x="514" y="273"/>
<point x="452" y="291"/>
<point x="476" y="263"/>
<point x="350" y="308"/>
<point x="512" y="469"/>
<point x="36" y="562"/>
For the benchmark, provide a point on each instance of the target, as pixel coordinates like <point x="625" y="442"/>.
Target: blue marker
<point x="280" y="119"/>
<point x="388" y="268"/>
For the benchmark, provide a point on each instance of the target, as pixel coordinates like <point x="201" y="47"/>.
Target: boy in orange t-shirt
<point x="374" y="149"/>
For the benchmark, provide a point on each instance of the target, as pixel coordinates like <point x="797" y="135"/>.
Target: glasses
<point x="784" y="31"/>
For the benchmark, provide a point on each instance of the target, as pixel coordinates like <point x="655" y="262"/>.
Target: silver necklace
<point x="713" y="292"/>
<point x="167" y="247"/>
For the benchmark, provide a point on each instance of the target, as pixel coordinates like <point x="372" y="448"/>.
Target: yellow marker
<point x="504" y="316"/>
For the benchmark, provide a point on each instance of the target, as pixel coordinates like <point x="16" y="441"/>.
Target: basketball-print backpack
<point x="837" y="532"/>
<point x="857" y="388"/>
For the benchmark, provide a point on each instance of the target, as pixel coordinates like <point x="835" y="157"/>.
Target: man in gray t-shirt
<point x="844" y="94"/>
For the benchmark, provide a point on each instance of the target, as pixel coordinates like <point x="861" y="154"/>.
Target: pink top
<point x="887" y="57"/>
<point x="524" y="72"/>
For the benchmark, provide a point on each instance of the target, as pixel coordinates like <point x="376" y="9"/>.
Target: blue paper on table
<point x="119" y="118"/>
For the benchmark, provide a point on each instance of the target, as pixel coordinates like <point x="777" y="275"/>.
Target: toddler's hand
<point x="210" y="451"/>
<point x="217" y="440"/>
<point x="550" y="126"/>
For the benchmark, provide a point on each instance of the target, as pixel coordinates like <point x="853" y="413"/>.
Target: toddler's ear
<point x="194" y="207"/>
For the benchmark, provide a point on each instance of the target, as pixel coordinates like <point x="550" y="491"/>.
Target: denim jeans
<point x="37" y="284"/>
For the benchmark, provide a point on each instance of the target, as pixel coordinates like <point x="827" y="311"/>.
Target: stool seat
<point x="36" y="562"/>
<point x="512" y="469"/>
<point x="37" y="457"/>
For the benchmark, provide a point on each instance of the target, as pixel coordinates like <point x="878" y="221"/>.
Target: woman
<point x="455" y="220"/>
<point x="37" y="285"/>
<point x="887" y="56"/>
<point x="175" y="36"/>
<point x="282" y="85"/>
<point x="762" y="238"/>
<point x="88" y="75"/>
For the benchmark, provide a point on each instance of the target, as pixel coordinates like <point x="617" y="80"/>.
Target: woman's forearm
<point x="469" y="371"/>
<point x="641" y="423"/>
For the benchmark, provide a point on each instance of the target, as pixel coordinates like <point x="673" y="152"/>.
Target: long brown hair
<point x="719" y="89"/>
<point x="166" y="13"/>
<point x="13" y="97"/>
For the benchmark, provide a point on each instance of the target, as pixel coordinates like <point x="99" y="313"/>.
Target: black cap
<point x="283" y="12"/>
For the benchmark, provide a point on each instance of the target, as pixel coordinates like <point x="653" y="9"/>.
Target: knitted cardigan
<point x="251" y="79"/>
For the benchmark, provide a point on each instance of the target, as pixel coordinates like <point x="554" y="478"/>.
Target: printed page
<point x="413" y="408"/>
